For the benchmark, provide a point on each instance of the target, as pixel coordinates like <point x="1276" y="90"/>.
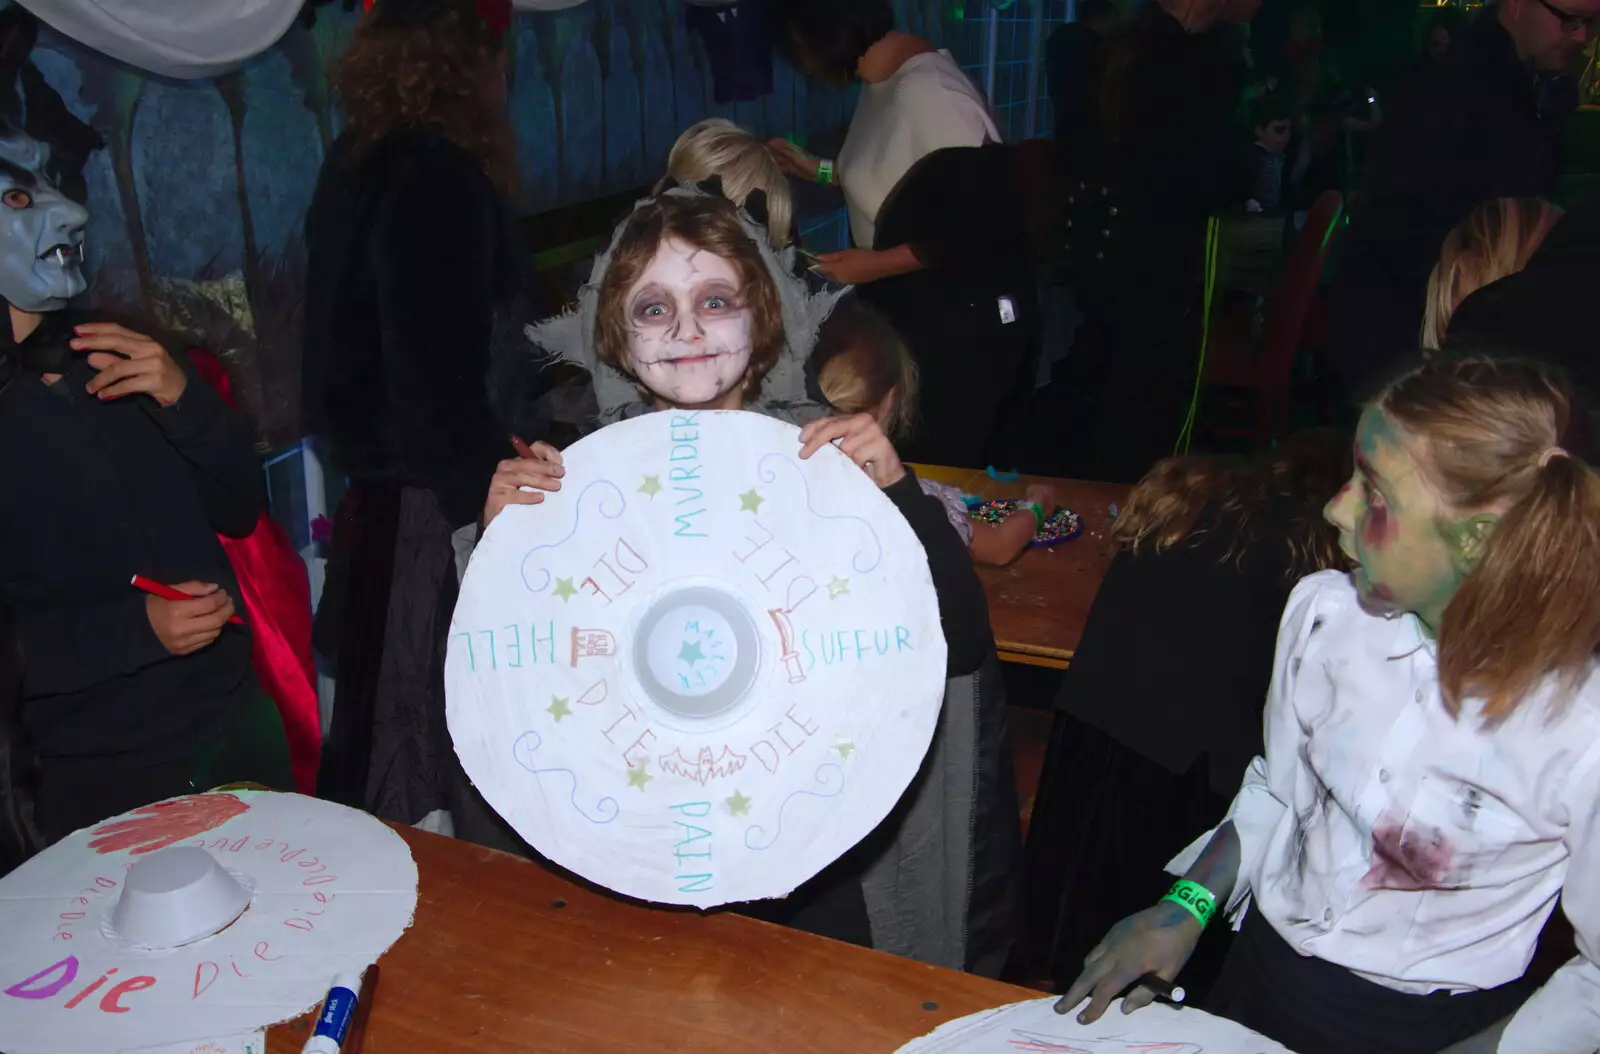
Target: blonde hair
<point x="716" y="147"/>
<point x="1497" y="239"/>
<point x="1509" y="434"/>
<point x="860" y="361"/>
<point x="1183" y="498"/>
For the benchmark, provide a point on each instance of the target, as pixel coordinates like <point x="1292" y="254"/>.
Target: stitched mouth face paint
<point x="1394" y="525"/>
<point x="41" y="231"/>
<point x="689" y="329"/>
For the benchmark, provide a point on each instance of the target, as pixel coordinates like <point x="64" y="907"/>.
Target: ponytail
<point x="1507" y="435"/>
<point x="1531" y="606"/>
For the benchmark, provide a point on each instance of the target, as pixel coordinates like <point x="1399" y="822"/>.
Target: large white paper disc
<point x="703" y="669"/>
<point x="333" y="889"/>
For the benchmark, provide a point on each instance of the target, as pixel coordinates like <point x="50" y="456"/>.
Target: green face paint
<point x="1411" y="553"/>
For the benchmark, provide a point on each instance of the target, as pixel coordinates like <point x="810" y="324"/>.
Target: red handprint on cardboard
<point x="166" y="823"/>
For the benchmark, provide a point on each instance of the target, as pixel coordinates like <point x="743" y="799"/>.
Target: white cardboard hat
<point x="333" y="888"/>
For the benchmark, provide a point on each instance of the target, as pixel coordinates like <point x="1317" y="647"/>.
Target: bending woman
<point x="932" y="216"/>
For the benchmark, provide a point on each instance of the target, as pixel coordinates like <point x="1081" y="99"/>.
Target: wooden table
<point x="1039" y="604"/>
<point x="505" y="956"/>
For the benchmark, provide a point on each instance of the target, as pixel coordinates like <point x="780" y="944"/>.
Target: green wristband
<point x="824" y="171"/>
<point x="1194" y="898"/>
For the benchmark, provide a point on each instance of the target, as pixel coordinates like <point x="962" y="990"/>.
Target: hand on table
<point x="862" y="440"/>
<point x="793" y="160"/>
<point x="522" y="480"/>
<point x="186" y="626"/>
<point x="129" y="362"/>
<point x="1158" y="940"/>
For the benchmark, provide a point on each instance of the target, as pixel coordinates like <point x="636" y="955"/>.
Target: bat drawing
<point x="704" y="768"/>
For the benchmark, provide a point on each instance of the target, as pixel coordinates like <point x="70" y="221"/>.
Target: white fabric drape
<point x="185" y="39"/>
<point x="188" y="39"/>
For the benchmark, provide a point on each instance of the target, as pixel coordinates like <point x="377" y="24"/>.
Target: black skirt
<point x="1312" y="1006"/>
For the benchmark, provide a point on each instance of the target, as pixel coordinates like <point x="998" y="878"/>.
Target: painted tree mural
<point x="200" y="195"/>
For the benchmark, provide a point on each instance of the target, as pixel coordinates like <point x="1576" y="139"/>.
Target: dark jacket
<point x="1538" y="312"/>
<point x="1472" y="127"/>
<point x="1162" y="158"/>
<point x="1074" y="63"/>
<point x="96" y="492"/>
<point x="1177" y="654"/>
<point x="413" y="274"/>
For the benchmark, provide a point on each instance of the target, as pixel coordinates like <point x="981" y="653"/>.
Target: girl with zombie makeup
<point x="691" y="308"/>
<point x="1430" y="786"/>
<point x="415" y="289"/>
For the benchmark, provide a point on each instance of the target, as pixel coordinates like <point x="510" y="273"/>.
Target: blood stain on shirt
<point x="1409" y="859"/>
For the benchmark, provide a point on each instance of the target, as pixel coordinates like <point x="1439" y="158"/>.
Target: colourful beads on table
<point x="1062" y="526"/>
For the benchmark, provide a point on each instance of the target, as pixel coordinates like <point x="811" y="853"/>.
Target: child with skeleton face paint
<point x="692" y="308"/>
<point x="1430" y="786"/>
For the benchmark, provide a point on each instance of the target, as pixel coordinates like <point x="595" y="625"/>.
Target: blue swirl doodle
<point x="823" y="772"/>
<point x="601" y="807"/>
<point x="768" y="476"/>
<point x="577" y="519"/>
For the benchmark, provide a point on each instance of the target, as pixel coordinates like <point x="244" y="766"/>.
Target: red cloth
<point x="277" y="604"/>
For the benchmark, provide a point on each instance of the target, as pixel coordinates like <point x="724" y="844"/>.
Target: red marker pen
<point x="156" y="589"/>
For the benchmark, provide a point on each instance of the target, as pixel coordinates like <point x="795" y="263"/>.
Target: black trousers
<point x="1131" y="377"/>
<point x="1314" y="1007"/>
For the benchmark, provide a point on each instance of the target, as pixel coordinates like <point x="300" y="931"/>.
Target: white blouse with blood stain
<point x="1420" y="850"/>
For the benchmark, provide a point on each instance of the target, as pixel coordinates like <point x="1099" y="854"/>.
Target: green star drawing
<point x="838" y="587"/>
<point x="750" y="501"/>
<point x="639" y="777"/>
<point x="845" y="749"/>
<point x="691" y="653"/>
<point x="738" y="805"/>
<point x="558" y="709"/>
<point x="565" y="589"/>
<point x="651" y="486"/>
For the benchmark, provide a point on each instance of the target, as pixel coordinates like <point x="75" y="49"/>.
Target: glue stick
<point x="334" y="1020"/>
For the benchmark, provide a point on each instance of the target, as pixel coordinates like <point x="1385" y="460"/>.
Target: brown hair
<point x="708" y="224"/>
<point x="417" y="70"/>
<point x="1507" y="434"/>
<point x="1497" y="239"/>
<point x="715" y="147"/>
<point x="860" y="359"/>
<point x="1182" y="498"/>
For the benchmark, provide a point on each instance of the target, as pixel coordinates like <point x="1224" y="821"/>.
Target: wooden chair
<point x="1261" y="373"/>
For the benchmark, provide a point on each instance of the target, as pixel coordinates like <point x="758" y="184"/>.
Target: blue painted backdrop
<point x="200" y="196"/>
